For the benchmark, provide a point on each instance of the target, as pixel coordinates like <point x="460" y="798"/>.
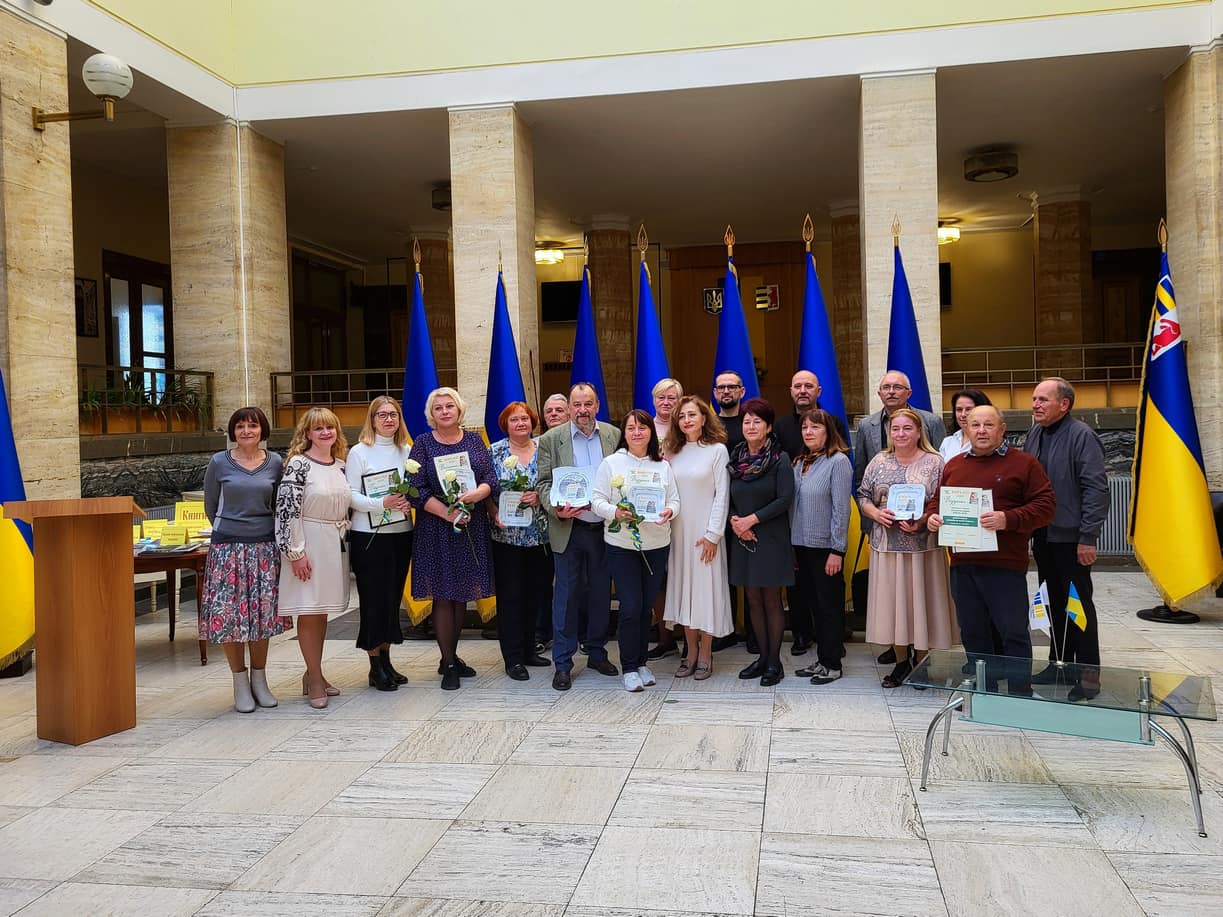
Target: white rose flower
<point x="449" y="477"/>
<point x="411" y="466"/>
<point x="617" y="480"/>
<point x="511" y="462"/>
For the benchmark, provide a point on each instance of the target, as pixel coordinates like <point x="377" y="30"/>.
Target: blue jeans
<point x="581" y="574"/>
<point x="636" y="588"/>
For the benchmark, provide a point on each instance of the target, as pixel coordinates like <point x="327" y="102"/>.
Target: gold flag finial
<point x="498" y="257"/>
<point x="729" y="238"/>
<point x="896" y="231"/>
<point x="585" y="249"/>
<point x="416" y="253"/>
<point x="1163" y="235"/>
<point x="808" y="231"/>
<point x="643" y="241"/>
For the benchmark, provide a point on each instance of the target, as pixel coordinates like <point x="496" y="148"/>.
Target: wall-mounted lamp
<point x="106" y="77"/>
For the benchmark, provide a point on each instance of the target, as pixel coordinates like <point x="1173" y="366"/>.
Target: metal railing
<point x="336" y="388"/>
<point x="1028" y="365"/>
<point x="143" y="399"/>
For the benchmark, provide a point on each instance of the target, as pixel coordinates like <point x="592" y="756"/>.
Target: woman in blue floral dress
<point x="450" y="554"/>
<point x="520" y="552"/>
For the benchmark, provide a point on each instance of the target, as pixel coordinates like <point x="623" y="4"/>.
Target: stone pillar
<point x="1193" y="157"/>
<point x="229" y="254"/>
<point x="437" y="270"/>
<point x="1061" y="242"/>
<point x="612" y="262"/>
<point x="492" y="187"/>
<point x="898" y="179"/>
<point x="845" y="303"/>
<point x="37" y="315"/>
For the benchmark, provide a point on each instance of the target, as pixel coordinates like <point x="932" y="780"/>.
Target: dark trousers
<point x="581" y="574"/>
<point x="636" y="587"/>
<point x="521" y="575"/>
<point x="828" y="593"/>
<point x="1058" y="565"/>
<point x="989" y="599"/>
<point x="380" y="564"/>
<point x="800" y="604"/>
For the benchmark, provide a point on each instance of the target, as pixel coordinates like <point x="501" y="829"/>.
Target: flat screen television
<point x="558" y="300"/>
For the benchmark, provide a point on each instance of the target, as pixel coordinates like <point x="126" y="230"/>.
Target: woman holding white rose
<point x="631" y="483"/>
<point x="520" y="553"/>
<point x="450" y="553"/>
<point x="380" y="539"/>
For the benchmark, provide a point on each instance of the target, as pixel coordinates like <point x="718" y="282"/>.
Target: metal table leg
<point x="1195" y="788"/>
<point x="944" y="714"/>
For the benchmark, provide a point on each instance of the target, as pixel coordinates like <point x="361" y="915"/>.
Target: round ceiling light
<point x="991" y="166"/>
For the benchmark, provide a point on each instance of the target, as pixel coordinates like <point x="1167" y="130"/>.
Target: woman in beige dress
<point x="311" y="522"/>
<point x="909" y="603"/>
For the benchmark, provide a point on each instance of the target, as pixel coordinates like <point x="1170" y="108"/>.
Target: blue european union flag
<point x="651" y="364"/>
<point x="734" y="352"/>
<point x="815" y="350"/>
<point x="419" y="368"/>
<point x="504" y="371"/>
<point x="587" y="366"/>
<point x="904" y="345"/>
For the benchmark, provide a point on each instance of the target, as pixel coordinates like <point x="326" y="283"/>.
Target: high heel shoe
<point x="318" y="703"/>
<point x="329" y="690"/>
<point x="379" y="677"/>
<point x="397" y="677"/>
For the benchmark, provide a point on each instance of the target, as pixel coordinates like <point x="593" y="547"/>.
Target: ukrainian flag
<point x="1169" y="474"/>
<point x="16" y="552"/>
<point x="1074" y="609"/>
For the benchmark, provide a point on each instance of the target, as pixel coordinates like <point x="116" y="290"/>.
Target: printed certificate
<point x="511" y="512"/>
<point x="377" y="484"/>
<point x="572" y="485"/>
<point x="989" y="540"/>
<point x="906" y="501"/>
<point x="960" y="508"/>
<point x="644" y="488"/>
<point x="460" y="464"/>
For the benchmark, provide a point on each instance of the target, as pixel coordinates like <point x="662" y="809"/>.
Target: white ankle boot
<point x="259" y="688"/>
<point x="243" y="701"/>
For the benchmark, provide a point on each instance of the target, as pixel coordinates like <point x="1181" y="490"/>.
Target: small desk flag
<point x="1074" y="609"/>
<point x="1038" y="611"/>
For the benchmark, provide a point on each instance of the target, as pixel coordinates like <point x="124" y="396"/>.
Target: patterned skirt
<point x="239" y="594"/>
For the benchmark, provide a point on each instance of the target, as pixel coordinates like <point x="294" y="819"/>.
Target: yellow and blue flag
<point x="1074" y="609"/>
<point x="587" y="364"/>
<point x="904" y="343"/>
<point x="1169" y="474"/>
<point x="16" y="551"/>
<point x="1038" y="610"/>
<point x="650" y="366"/>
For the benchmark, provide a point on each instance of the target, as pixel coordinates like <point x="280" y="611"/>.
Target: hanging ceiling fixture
<point x="991" y="166"/>
<point x="549" y="253"/>
<point x="947" y="231"/>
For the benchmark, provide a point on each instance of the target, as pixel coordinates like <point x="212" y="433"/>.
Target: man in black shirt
<point x="728" y="391"/>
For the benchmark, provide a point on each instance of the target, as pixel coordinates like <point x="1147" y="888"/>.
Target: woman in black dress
<point x="761" y="491"/>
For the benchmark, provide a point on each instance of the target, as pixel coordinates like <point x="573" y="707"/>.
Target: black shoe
<point x="663" y="650"/>
<point x="724" y="643"/>
<point x="754" y="669"/>
<point x="561" y="681"/>
<point x="771" y="676"/>
<point x="538" y="661"/>
<point x="518" y="672"/>
<point x="1081" y="692"/>
<point x="450" y="678"/>
<point x="800" y="647"/>
<point x="379" y="677"/>
<point x="603" y="667"/>
<point x="583" y="648"/>
<point x="887" y="657"/>
<point x="398" y="678"/>
<point x="897" y="676"/>
<point x="1049" y="675"/>
<point x="464" y="669"/>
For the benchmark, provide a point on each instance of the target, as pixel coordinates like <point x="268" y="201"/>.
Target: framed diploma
<point x="644" y="488"/>
<point x="572" y="485"/>
<point x="460" y="464"/>
<point x="511" y="512"/>
<point x="377" y="484"/>
<point x="906" y="501"/>
<point x="960" y="508"/>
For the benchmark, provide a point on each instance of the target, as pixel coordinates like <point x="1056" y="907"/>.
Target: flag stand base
<point x="18" y="666"/>
<point x="1165" y="615"/>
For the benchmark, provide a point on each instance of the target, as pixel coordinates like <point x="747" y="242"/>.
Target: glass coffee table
<point x="1094" y="702"/>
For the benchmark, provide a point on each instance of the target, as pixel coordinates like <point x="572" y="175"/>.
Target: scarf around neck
<point x="747" y="466"/>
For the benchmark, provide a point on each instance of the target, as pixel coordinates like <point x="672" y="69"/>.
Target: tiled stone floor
<point x="510" y="799"/>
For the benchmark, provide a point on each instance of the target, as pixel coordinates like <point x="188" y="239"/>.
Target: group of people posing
<point x="741" y="498"/>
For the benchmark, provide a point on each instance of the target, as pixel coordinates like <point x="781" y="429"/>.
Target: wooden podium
<point x="84" y="614"/>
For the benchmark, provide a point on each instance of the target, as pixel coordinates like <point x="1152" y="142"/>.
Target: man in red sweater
<point x="990" y="587"/>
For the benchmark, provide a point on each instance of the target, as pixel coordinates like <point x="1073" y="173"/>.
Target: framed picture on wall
<point x="86" y="307"/>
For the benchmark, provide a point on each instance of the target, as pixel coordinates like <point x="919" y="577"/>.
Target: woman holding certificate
<point x="908" y="603"/>
<point x="450" y="553"/>
<point x="635" y="493"/>
<point x="311" y="519"/>
<point x="521" y="561"/>
<point x="381" y="535"/>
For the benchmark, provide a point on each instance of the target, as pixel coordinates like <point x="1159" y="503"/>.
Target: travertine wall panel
<point x="612" y="265"/>
<point x="845" y="309"/>
<point x="1061" y="236"/>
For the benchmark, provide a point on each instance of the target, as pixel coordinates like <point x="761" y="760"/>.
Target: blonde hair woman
<point x="311" y="521"/>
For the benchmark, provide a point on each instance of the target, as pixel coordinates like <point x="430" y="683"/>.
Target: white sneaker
<point x="647" y="677"/>
<point x="827" y="677"/>
<point x="632" y="682"/>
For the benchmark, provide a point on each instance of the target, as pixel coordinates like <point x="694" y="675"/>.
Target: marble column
<point x="845" y="303"/>
<point x="37" y="313"/>
<point x="1193" y="161"/>
<point x="898" y="179"/>
<point x="438" y="272"/>
<point x="229" y="254"/>
<point x="492" y="188"/>
<point x="612" y="263"/>
<point x="1061" y="242"/>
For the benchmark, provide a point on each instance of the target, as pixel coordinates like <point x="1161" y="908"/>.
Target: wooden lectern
<point x="84" y="614"/>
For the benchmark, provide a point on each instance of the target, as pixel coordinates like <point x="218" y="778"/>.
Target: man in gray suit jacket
<point x="871" y="435"/>
<point x="576" y="536"/>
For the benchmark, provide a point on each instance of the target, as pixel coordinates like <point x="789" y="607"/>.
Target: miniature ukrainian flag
<point x="1074" y="609"/>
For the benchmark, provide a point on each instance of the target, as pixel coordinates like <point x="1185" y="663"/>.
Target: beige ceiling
<point x="688" y="162"/>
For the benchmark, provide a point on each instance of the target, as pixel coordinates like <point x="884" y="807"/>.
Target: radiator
<point x="1113" y="540"/>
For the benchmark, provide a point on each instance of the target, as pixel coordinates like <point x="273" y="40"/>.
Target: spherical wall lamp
<point x="106" y="77"/>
